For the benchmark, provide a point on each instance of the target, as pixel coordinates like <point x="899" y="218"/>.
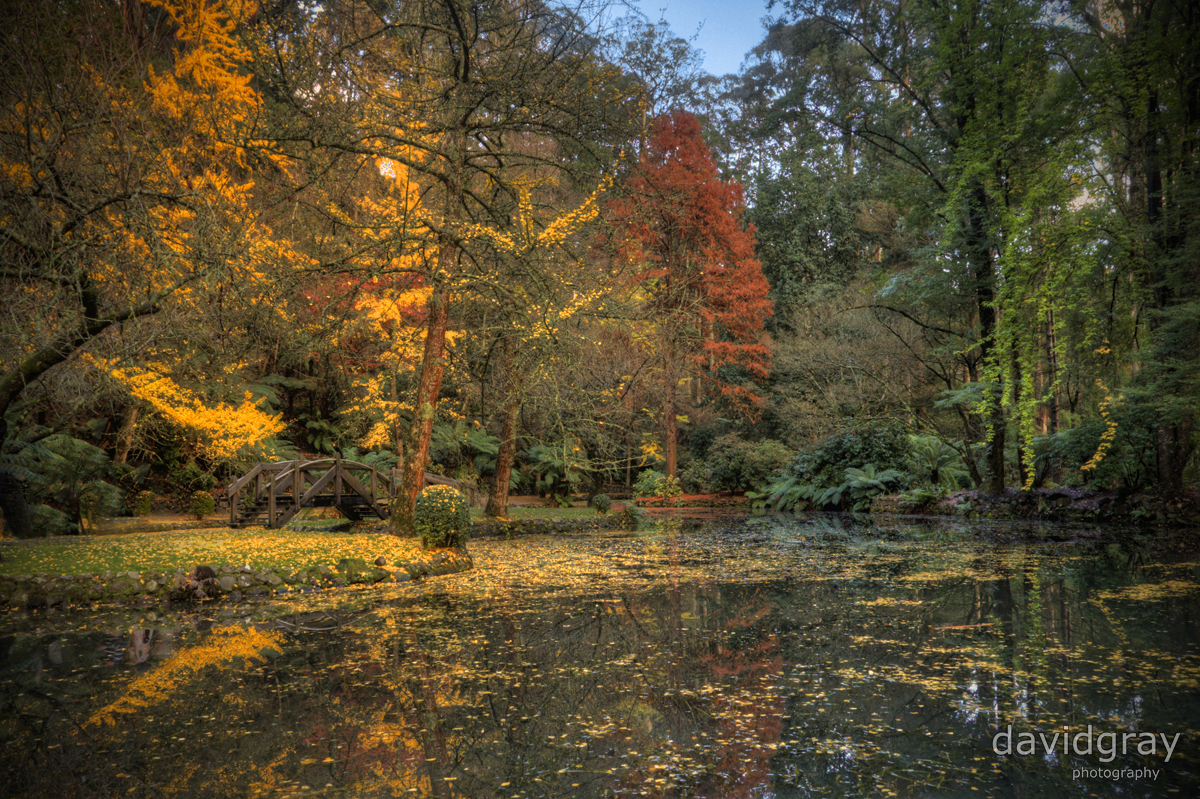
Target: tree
<point x="966" y="99"/>
<point x="126" y="137"/>
<point x="470" y="96"/>
<point x="1142" y="72"/>
<point x="530" y="313"/>
<point x="668" y="71"/>
<point x="704" y="296"/>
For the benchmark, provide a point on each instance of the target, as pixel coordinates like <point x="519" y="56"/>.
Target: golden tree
<point x="470" y="98"/>
<point x="129" y="137"/>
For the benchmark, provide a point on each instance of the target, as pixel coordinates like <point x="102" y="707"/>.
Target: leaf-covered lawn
<point x="168" y="551"/>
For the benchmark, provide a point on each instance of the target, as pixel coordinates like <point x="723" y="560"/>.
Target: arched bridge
<point x="271" y="494"/>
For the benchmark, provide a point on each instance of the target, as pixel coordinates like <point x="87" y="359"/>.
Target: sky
<point x="731" y="27"/>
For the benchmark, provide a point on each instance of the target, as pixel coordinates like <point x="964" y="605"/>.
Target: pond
<point x="761" y="657"/>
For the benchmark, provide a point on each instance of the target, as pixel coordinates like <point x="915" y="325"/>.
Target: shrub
<point x="47" y="521"/>
<point x="651" y="483"/>
<point x="143" y="503"/>
<point x="441" y="517"/>
<point x="784" y="493"/>
<point x="852" y="464"/>
<point x="869" y="482"/>
<point x="883" y="444"/>
<point x="558" y="500"/>
<point x="202" y="504"/>
<point x="696" y="478"/>
<point x="189" y="476"/>
<point x="646" y="483"/>
<point x="66" y="474"/>
<point x="601" y="503"/>
<point x="1130" y="461"/>
<point x="737" y="465"/>
<point x="560" y="469"/>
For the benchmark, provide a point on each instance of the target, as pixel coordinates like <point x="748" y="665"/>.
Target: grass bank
<point x="148" y="568"/>
<point x="174" y="543"/>
<point x="167" y="551"/>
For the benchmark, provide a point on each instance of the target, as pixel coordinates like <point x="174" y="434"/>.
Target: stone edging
<point x="211" y="582"/>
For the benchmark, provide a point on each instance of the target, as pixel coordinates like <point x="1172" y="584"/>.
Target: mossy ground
<point x="167" y="551"/>
<point x="151" y="548"/>
<point x="155" y="548"/>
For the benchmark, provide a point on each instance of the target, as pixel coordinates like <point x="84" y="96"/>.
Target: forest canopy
<point x="918" y="247"/>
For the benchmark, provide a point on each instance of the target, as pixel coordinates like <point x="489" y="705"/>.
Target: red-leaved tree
<point x="702" y="290"/>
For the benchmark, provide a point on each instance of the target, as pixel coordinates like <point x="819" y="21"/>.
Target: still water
<point x="741" y="658"/>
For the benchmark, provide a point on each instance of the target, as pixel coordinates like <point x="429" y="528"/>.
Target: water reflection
<point x="752" y="659"/>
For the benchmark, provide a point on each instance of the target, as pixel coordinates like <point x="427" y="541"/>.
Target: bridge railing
<point x="298" y="483"/>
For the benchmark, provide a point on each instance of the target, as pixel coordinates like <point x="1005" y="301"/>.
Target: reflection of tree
<point x="977" y="640"/>
<point x="847" y="685"/>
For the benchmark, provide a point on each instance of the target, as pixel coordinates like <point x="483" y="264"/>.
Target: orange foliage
<point x="693" y="256"/>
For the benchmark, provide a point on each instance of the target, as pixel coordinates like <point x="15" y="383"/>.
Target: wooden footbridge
<point x="271" y="494"/>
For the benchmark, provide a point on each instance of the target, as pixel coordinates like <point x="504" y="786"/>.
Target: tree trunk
<point x="397" y="430"/>
<point x="497" y="504"/>
<point x="671" y="431"/>
<point x="1053" y="471"/>
<point x="980" y="255"/>
<point x="432" y="366"/>
<point x="1024" y="460"/>
<point x="125" y="436"/>
<point x="12" y="498"/>
<point x="629" y="458"/>
<point x="1173" y="445"/>
<point x="1051" y="377"/>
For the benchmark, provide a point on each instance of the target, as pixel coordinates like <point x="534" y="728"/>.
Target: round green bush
<point x="648" y="483"/>
<point x="442" y="517"/>
<point x="202" y="504"/>
<point x="737" y="465"/>
<point x="601" y="503"/>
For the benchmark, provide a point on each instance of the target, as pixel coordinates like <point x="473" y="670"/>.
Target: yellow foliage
<point x="207" y="86"/>
<point x="1110" y="430"/>
<point x="223" y="647"/>
<point x="527" y="238"/>
<point x="382" y="411"/>
<point x="222" y="429"/>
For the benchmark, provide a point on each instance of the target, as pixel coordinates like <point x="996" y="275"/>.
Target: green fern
<point x="560" y="469"/>
<point x="937" y="463"/>
<point x="869" y="482"/>
<point x="784" y="494"/>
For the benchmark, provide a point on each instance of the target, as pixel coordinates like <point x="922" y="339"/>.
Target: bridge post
<point x="374" y="487"/>
<point x="337" y="478"/>
<point x="233" y="503"/>
<point x="296" y="492"/>
<point x="270" y="504"/>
